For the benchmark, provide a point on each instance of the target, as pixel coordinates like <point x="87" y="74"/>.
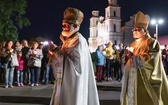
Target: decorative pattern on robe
<point x="57" y="66"/>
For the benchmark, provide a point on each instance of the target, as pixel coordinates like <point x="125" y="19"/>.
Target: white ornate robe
<point x="78" y="81"/>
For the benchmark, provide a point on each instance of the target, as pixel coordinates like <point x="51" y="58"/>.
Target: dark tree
<point x="12" y="18"/>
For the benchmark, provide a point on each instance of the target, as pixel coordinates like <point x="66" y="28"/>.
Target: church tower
<point x="93" y="30"/>
<point x="113" y="22"/>
<point x="105" y="29"/>
<point x="93" y="23"/>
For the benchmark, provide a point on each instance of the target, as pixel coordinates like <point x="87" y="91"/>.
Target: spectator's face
<point x="101" y="47"/>
<point x="24" y="43"/>
<point x="35" y="45"/>
<point x="109" y="45"/>
<point x="121" y="45"/>
<point x="166" y="47"/>
<point x="17" y="44"/>
<point x="10" y="44"/>
<point x="41" y="46"/>
<point x="20" y="54"/>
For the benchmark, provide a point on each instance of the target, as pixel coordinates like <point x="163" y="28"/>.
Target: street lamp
<point x="156" y="23"/>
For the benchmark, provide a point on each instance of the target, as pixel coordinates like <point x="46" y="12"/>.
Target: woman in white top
<point x="34" y="57"/>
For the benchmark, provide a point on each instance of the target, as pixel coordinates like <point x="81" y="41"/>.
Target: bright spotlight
<point x="153" y="21"/>
<point x="45" y="42"/>
<point x="160" y="21"/>
<point x="156" y="23"/>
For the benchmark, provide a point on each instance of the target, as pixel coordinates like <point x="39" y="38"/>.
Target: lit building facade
<point x="127" y="33"/>
<point x="105" y="29"/>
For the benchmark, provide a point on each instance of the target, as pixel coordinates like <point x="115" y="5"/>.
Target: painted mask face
<point x="68" y="29"/>
<point x="138" y="33"/>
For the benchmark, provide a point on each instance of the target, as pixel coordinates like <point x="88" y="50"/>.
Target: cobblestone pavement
<point x="109" y="93"/>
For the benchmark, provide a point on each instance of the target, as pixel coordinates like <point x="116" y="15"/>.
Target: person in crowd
<point x="46" y="70"/>
<point x="44" y="75"/>
<point x="165" y="58"/>
<point x="19" y="69"/>
<point x="144" y="81"/>
<point x="124" y="58"/>
<point x="115" y="60"/>
<point x="75" y="84"/>
<point x="99" y="63"/>
<point x="1" y="68"/>
<point x="17" y="46"/>
<point x="41" y="71"/>
<point x="34" y="57"/>
<point x="109" y="54"/>
<point x="2" y="75"/>
<point x="104" y="66"/>
<point x="118" y="62"/>
<point x="26" y="70"/>
<point x="8" y="51"/>
<point x="93" y="57"/>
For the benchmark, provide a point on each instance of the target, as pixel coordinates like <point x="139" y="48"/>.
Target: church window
<point x="114" y="28"/>
<point x="114" y="13"/>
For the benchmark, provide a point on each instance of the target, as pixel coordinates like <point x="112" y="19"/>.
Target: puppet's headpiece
<point x="73" y="16"/>
<point x="141" y="20"/>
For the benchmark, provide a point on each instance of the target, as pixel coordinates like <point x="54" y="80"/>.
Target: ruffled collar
<point x="69" y="42"/>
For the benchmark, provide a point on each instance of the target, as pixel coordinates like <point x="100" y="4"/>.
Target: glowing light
<point x="160" y="21"/>
<point x="156" y="23"/>
<point x="45" y="42"/>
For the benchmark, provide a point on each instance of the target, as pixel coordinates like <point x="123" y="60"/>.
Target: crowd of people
<point x="109" y="61"/>
<point x="25" y="64"/>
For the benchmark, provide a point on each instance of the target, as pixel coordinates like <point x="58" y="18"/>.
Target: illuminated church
<point x="105" y="29"/>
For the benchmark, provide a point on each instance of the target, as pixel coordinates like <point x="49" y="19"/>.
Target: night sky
<point x="46" y="15"/>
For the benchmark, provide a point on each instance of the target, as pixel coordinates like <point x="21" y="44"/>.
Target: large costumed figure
<point x="75" y="81"/>
<point x="144" y="80"/>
